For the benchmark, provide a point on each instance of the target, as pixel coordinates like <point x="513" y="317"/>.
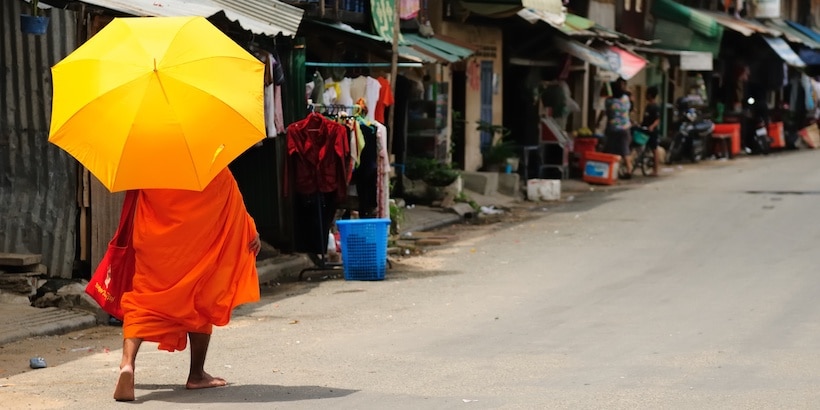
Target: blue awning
<point x="781" y="47"/>
<point x="810" y="57"/>
<point x="805" y="30"/>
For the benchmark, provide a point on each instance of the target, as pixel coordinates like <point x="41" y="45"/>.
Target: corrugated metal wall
<point x="38" y="181"/>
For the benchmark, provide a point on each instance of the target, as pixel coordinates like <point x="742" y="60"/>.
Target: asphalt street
<point x="691" y="291"/>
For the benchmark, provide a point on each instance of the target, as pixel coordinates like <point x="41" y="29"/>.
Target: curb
<point x="276" y="269"/>
<point x="44" y="322"/>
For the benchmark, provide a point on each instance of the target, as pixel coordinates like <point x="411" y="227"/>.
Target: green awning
<point x="444" y="50"/>
<point x="675" y="36"/>
<point x="406" y="50"/>
<point x="699" y="23"/>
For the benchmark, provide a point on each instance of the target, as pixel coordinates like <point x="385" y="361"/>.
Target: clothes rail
<point x="335" y="108"/>
<point x="318" y="64"/>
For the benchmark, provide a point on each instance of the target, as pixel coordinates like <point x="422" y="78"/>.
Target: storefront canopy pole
<point x="318" y="64"/>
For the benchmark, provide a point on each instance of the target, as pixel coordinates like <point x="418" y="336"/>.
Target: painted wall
<point x="488" y="40"/>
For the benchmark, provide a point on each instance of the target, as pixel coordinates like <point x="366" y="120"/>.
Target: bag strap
<point x="125" y="231"/>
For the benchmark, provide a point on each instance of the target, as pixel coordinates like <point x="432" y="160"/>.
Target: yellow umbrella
<point x="158" y="102"/>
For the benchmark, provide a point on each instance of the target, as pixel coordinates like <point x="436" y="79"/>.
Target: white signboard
<point x="767" y="9"/>
<point x="695" y="61"/>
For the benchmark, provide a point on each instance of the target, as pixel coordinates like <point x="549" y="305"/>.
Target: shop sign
<point x="767" y="9"/>
<point x="549" y="6"/>
<point x="384" y="18"/>
<point x="695" y="61"/>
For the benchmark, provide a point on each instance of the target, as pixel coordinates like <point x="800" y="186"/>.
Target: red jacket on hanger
<point x="318" y="152"/>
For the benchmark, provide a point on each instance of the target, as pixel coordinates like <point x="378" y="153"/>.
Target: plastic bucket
<point x="33" y="25"/>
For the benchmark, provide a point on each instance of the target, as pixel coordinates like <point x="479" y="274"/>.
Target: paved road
<point x="688" y="292"/>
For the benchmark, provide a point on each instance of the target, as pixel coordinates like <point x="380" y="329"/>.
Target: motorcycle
<point x="759" y="141"/>
<point x="692" y="134"/>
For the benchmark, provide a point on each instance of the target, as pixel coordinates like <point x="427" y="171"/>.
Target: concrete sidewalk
<point x="19" y="321"/>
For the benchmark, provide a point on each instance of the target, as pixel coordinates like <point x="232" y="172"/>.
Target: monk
<point x="195" y="262"/>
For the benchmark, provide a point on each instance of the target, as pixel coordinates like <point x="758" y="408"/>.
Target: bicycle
<point x="641" y="157"/>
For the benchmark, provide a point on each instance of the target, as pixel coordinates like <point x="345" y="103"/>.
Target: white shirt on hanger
<point x="371" y="96"/>
<point x="345" y="98"/>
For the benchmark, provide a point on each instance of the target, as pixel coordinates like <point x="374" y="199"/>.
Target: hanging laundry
<point x="371" y="97"/>
<point x="385" y="99"/>
<point x="409" y="9"/>
<point x="344" y="96"/>
<point x="358" y="86"/>
<point x="318" y="87"/>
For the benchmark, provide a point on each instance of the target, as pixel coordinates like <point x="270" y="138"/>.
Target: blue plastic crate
<point x="364" y="248"/>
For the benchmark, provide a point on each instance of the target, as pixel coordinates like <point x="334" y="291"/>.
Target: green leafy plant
<point x="463" y="197"/>
<point x="499" y="152"/>
<point x="499" y="132"/>
<point x="442" y="176"/>
<point x="35" y="10"/>
<point x="417" y="168"/>
<point x="501" y="148"/>
<point x="431" y="171"/>
<point x="396" y="218"/>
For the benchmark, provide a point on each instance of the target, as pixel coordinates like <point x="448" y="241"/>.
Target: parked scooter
<point x="692" y="134"/>
<point x="757" y="122"/>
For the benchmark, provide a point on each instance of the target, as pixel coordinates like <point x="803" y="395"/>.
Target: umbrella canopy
<point x="158" y="102"/>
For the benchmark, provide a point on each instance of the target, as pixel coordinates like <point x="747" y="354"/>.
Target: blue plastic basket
<point x="364" y="248"/>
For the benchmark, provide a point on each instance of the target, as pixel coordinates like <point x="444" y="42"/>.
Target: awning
<point x="682" y="28"/>
<point x="676" y="36"/>
<point x="407" y="50"/>
<point x="805" y="30"/>
<point x="506" y="8"/>
<point x="615" y="59"/>
<point x="439" y="47"/>
<point x="810" y="57"/>
<point x="695" y="20"/>
<point x="569" y="24"/>
<point x="624" y="62"/>
<point x="269" y="17"/>
<point x="792" y="34"/>
<point x="781" y="47"/>
<point x="742" y="26"/>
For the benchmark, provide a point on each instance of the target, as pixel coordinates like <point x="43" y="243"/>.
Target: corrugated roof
<point x="805" y="30"/>
<point x="444" y="50"/>
<point x="742" y="26"/>
<point x="782" y="49"/>
<point x="269" y="17"/>
<point x="406" y="50"/>
<point x="792" y="34"/>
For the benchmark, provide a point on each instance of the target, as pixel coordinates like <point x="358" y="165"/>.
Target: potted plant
<point x="502" y="152"/>
<point x="33" y="23"/>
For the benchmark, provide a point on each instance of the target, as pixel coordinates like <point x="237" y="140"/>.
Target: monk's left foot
<point x="204" y="382"/>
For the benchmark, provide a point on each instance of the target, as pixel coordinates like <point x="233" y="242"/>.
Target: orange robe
<point x="193" y="264"/>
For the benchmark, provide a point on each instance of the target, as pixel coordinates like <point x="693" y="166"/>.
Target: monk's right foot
<point x="125" y="385"/>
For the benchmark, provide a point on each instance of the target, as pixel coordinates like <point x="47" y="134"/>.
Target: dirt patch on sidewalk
<point x="56" y="350"/>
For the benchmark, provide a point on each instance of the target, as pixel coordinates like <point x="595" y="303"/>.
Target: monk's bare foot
<point x="125" y="385"/>
<point x="204" y="382"/>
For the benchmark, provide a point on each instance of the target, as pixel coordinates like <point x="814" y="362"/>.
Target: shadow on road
<point x="253" y="393"/>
